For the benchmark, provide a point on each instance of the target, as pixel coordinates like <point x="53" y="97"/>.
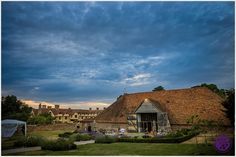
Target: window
<point x="65" y="117"/>
<point x="59" y="118"/>
<point x="75" y="116"/>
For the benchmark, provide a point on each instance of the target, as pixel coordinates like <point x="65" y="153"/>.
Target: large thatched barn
<point x="161" y="110"/>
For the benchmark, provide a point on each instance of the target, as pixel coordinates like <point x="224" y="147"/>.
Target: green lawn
<point x="133" y="149"/>
<point x="49" y="134"/>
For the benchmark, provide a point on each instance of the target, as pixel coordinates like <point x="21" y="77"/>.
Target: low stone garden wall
<point x="51" y="127"/>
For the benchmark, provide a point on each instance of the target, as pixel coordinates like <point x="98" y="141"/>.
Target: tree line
<point x="12" y="108"/>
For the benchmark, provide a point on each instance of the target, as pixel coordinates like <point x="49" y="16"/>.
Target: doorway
<point x="89" y="128"/>
<point x="148" y="122"/>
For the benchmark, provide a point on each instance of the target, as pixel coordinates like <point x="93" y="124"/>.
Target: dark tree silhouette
<point x="229" y="104"/>
<point x="15" y="109"/>
<point x="158" y="88"/>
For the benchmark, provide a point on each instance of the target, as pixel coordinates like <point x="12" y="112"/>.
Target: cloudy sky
<point x="85" y="53"/>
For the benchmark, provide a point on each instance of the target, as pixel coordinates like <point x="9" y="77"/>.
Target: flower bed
<point x="165" y="139"/>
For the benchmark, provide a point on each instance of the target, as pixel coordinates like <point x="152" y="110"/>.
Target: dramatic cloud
<point x="81" y="52"/>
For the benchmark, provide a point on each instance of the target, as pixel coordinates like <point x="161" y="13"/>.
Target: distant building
<point x="161" y="111"/>
<point x="67" y="115"/>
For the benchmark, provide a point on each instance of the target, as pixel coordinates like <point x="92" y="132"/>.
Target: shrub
<point x="159" y="140"/>
<point x="146" y="136"/>
<point x="58" y="145"/>
<point x="83" y="137"/>
<point x="182" y="132"/>
<point x="72" y="138"/>
<point x="34" y="141"/>
<point x="20" y="142"/>
<point x="105" y="139"/>
<point x="65" y="134"/>
<point x="29" y="141"/>
<point x="80" y="137"/>
<point x="44" y="118"/>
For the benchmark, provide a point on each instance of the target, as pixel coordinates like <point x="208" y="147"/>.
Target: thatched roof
<point x="180" y="105"/>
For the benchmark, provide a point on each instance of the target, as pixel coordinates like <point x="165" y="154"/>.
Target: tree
<point x="229" y="104"/>
<point x="15" y="109"/>
<point x="44" y="118"/>
<point x="159" y="88"/>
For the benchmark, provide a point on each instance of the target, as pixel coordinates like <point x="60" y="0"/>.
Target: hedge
<point x="58" y="145"/>
<point x="105" y="139"/>
<point x="159" y="140"/>
<point x="65" y="134"/>
<point x="83" y="137"/>
<point x="29" y="141"/>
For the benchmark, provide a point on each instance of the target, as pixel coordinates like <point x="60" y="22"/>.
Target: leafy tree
<point x="15" y="109"/>
<point x="44" y="118"/>
<point x="159" y="88"/>
<point x="229" y="104"/>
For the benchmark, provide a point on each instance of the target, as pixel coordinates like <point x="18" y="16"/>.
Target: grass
<point x="117" y="148"/>
<point x="48" y="134"/>
<point x="133" y="149"/>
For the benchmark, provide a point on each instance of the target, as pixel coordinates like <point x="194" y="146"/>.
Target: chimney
<point x="57" y="106"/>
<point x="44" y="106"/>
<point x="49" y="107"/>
<point x="90" y="108"/>
<point x="104" y="108"/>
<point x="97" y="108"/>
<point x="40" y="106"/>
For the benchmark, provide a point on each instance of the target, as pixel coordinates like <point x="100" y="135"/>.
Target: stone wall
<point x="106" y="126"/>
<point x="51" y="127"/>
<point x="109" y="126"/>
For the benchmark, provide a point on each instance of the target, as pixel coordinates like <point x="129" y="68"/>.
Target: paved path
<point x="84" y="142"/>
<point x="18" y="150"/>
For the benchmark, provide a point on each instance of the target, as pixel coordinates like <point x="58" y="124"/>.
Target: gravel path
<point x="84" y="142"/>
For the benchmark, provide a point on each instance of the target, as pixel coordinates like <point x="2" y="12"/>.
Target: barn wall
<point x="109" y="126"/>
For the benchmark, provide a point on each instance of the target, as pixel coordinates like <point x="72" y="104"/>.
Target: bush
<point x="44" y="118"/>
<point x="34" y="141"/>
<point x="83" y="137"/>
<point x="182" y="132"/>
<point x="20" y="142"/>
<point x="65" y="134"/>
<point x="29" y="141"/>
<point x="105" y="139"/>
<point x="58" y="145"/>
<point x="160" y="140"/>
<point x="146" y="136"/>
